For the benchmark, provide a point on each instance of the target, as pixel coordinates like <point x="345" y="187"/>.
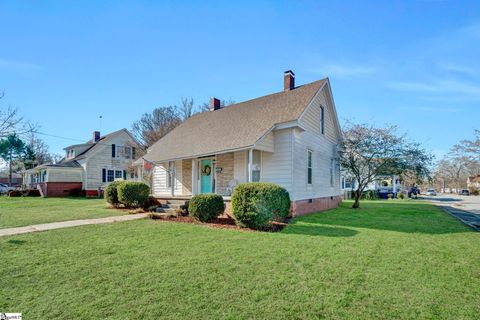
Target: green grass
<point x="402" y="260"/>
<point x="18" y="212"/>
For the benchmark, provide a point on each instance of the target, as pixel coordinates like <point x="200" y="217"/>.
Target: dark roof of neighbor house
<point x="62" y="164"/>
<point x="235" y="127"/>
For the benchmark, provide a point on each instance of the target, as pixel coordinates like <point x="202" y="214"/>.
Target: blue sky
<point x="410" y="63"/>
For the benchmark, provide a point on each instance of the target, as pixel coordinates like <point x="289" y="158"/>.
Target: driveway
<point x="464" y="208"/>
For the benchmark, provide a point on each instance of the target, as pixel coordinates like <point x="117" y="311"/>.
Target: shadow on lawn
<point x="404" y="217"/>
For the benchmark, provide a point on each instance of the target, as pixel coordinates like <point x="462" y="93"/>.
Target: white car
<point x="431" y="192"/>
<point x="5" y="189"/>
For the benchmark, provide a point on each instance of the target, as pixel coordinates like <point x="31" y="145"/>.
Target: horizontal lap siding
<point x="277" y="166"/>
<point x="102" y="159"/>
<point x="64" y="175"/>
<point x="240" y="166"/>
<point x="159" y="180"/>
<point x="322" y="145"/>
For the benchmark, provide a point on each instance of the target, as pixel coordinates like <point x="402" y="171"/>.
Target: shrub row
<point x="255" y="205"/>
<point x="131" y="194"/>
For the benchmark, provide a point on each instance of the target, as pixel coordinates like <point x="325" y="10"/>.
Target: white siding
<point x="323" y="147"/>
<point x="267" y="143"/>
<point x="64" y="175"/>
<point x="101" y="158"/>
<point x="277" y="166"/>
<point x="159" y="180"/>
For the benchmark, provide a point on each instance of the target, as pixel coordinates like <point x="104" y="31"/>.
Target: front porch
<point x="219" y="173"/>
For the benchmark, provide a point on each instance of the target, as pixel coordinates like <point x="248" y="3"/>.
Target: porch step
<point x="173" y="206"/>
<point x="176" y="202"/>
<point x="166" y="210"/>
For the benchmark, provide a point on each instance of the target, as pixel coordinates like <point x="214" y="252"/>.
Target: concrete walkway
<point x="69" y="224"/>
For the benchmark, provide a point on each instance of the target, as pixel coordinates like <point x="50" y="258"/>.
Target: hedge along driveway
<point x="25" y="211"/>
<point x="389" y="259"/>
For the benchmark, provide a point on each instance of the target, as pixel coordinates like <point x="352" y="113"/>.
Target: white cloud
<point x="457" y="68"/>
<point x="439" y="87"/>
<point x="18" y="65"/>
<point x="338" y="70"/>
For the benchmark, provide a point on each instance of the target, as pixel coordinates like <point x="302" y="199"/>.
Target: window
<point x="322" y="120"/>
<point x="256" y="165"/>
<point x="170" y="173"/>
<point x="118" y="174"/>
<point x="348" y="183"/>
<point x="309" y="166"/>
<point x="124" y="152"/>
<point x="110" y="175"/>
<point x="332" y="165"/>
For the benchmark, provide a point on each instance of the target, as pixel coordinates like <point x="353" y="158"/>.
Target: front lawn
<point x="24" y="211"/>
<point x="404" y="260"/>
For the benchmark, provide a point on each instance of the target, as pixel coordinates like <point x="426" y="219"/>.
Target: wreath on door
<point x="206" y="170"/>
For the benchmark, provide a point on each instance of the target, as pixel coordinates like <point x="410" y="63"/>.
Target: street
<point x="464" y="208"/>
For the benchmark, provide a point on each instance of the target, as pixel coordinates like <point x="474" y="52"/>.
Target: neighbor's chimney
<point x="214" y="104"/>
<point x="288" y="80"/>
<point x="96" y="136"/>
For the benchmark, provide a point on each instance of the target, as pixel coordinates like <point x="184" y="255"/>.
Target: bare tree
<point x="153" y="126"/>
<point x="186" y="108"/>
<point x="370" y="152"/>
<point x="12" y="122"/>
<point x="223" y="103"/>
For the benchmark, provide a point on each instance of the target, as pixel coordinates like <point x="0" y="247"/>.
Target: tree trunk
<point x="10" y="170"/>
<point x="356" y="203"/>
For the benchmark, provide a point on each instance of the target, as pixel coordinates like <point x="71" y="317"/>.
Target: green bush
<point x="255" y="204"/>
<point x="400" y="195"/>
<point x="206" y="206"/>
<point x="370" y="195"/>
<point x="474" y="191"/>
<point x="133" y="194"/>
<point x="111" y="192"/>
<point x="390" y="196"/>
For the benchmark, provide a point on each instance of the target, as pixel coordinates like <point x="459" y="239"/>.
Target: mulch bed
<point x="224" y="222"/>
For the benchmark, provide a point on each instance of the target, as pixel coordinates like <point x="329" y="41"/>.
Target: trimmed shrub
<point x="370" y="195"/>
<point x="256" y="204"/>
<point x="111" y="192"/>
<point x="400" y="195"/>
<point x="133" y="194"/>
<point x="474" y="191"/>
<point x="390" y="196"/>
<point x="206" y="206"/>
<point x="15" y="193"/>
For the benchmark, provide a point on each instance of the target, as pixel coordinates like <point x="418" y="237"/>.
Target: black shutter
<point x="133" y="153"/>
<point x="104" y="175"/>
<point x="124" y="174"/>
<point x="113" y="150"/>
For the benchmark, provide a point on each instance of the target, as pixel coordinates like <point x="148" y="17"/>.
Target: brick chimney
<point x="214" y="104"/>
<point x="288" y="80"/>
<point x="96" y="136"/>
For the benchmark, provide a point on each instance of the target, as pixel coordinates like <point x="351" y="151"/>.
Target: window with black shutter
<point x="133" y="153"/>
<point x="113" y="150"/>
<point x="124" y="174"/>
<point x="104" y="175"/>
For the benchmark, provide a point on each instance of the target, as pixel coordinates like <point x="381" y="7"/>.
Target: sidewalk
<point x="69" y="224"/>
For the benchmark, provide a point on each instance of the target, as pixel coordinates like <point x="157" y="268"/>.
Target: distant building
<point x="17" y="179"/>
<point x="474" y="182"/>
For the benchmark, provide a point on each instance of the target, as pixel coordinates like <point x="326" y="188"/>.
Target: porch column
<point x="394" y="179"/>
<point x="194" y="177"/>
<point x="250" y="164"/>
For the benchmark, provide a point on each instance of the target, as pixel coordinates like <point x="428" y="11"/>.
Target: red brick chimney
<point x="96" y="136"/>
<point x="288" y="80"/>
<point x="214" y="104"/>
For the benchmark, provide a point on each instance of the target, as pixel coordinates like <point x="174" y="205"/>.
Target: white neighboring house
<point x="394" y="184"/>
<point x="88" y="166"/>
<point x="290" y="138"/>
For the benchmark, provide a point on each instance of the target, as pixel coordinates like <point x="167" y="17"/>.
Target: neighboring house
<point x="473" y="182"/>
<point x="382" y="184"/>
<point x="88" y="166"/>
<point x="16" y="178"/>
<point x="290" y="138"/>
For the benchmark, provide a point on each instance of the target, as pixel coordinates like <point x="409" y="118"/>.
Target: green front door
<point x="206" y="175"/>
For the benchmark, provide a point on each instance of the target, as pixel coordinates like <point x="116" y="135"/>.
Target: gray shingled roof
<point x="235" y="127"/>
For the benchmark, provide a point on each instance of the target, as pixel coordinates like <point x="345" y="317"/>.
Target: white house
<point x="290" y="138"/>
<point x="88" y="166"/>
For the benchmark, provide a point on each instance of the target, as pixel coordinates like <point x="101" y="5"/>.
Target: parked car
<point x="413" y="192"/>
<point x="431" y="192"/>
<point x="5" y="189"/>
<point x="464" y="192"/>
